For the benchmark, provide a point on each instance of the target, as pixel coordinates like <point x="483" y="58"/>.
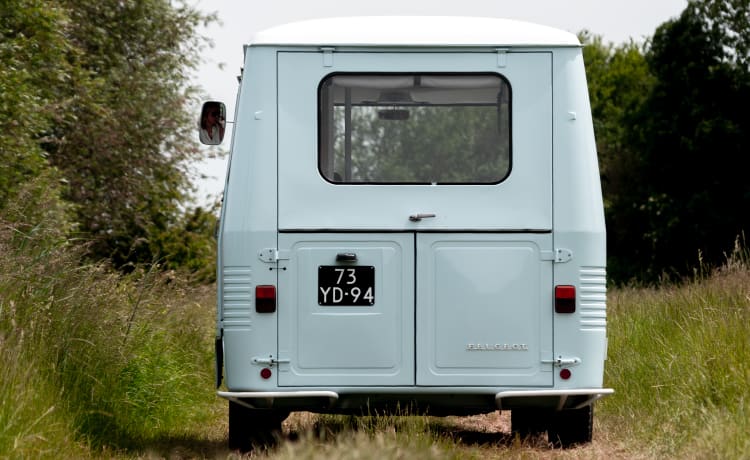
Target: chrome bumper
<point x="267" y="398"/>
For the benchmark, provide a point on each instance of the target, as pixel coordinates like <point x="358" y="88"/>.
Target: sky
<point x="617" y="21"/>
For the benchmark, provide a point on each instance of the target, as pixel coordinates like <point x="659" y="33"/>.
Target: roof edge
<point x="453" y="31"/>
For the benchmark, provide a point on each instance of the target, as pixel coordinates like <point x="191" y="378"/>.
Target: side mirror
<point x="212" y="123"/>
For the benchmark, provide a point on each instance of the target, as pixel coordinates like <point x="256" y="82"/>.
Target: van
<point x="412" y="221"/>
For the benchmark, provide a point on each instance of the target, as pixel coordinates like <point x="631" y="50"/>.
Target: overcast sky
<point x="616" y="20"/>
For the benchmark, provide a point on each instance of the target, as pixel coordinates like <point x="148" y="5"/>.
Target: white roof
<point x="414" y="31"/>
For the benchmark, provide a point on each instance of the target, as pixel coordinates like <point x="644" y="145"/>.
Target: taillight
<point x="265" y="298"/>
<point x="565" y="299"/>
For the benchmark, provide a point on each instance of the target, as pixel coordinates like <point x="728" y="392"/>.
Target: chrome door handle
<point x="418" y="217"/>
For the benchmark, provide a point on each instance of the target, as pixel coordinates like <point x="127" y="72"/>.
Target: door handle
<point x="420" y="216"/>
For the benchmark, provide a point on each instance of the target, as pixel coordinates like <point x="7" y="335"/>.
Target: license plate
<point x="346" y="286"/>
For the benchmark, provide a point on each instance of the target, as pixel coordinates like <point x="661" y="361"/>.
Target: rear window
<point x="414" y="128"/>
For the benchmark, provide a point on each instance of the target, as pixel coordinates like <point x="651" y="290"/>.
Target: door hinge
<point x="272" y="255"/>
<point x="502" y="57"/>
<point x="559" y="255"/>
<point x="563" y="255"/>
<point x="327" y="56"/>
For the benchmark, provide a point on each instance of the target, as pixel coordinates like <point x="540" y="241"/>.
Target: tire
<point x="250" y="428"/>
<point x="572" y="427"/>
<point x="529" y="422"/>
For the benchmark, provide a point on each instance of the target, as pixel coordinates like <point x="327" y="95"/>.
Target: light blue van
<point x="412" y="218"/>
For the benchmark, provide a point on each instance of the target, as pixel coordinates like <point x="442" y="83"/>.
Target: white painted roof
<point x="414" y="31"/>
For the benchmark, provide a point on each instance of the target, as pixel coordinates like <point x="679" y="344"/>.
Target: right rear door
<point x="483" y="309"/>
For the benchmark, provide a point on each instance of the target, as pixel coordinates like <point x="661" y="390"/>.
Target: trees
<point x="126" y="142"/>
<point x="93" y="100"/>
<point x="727" y="22"/>
<point x="694" y="144"/>
<point x="620" y="83"/>
<point x="672" y="139"/>
<point x="32" y="52"/>
<point x="97" y="93"/>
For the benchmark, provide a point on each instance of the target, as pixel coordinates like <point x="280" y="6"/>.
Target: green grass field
<point x="679" y="356"/>
<point x="97" y="364"/>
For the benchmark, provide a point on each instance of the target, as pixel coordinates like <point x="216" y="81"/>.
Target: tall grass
<point x="94" y="361"/>
<point x="369" y="438"/>
<point x="679" y="357"/>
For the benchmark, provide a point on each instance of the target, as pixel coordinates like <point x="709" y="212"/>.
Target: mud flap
<point x="219" y="350"/>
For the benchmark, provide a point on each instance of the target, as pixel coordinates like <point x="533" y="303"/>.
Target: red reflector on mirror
<point x="265" y="298"/>
<point x="565" y="299"/>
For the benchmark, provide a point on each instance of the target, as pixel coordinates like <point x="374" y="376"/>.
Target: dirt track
<point x="481" y="436"/>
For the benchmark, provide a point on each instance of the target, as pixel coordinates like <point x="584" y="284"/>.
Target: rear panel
<point x="462" y="271"/>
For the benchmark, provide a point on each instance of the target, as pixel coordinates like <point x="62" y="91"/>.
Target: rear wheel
<point x="253" y="427"/>
<point x="572" y="427"/>
<point x="529" y="422"/>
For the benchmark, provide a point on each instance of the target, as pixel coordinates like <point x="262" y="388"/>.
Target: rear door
<point x="483" y="309"/>
<point x="439" y="182"/>
<point x="346" y="309"/>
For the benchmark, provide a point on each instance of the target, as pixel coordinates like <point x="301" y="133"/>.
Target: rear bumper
<point x="434" y="400"/>
<point x="267" y="399"/>
<point x="581" y="397"/>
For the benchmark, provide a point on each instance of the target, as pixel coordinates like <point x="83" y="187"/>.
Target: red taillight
<point x="266" y="373"/>
<point x="565" y="299"/>
<point x="565" y="374"/>
<point x="265" y="298"/>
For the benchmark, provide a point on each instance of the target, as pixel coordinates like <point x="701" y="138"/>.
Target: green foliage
<point x="32" y="52"/>
<point x="693" y="142"/>
<point x="96" y="95"/>
<point x="620" y="83"/>
<point x="92" y="358"/>
<point x="125" y="144"/>
<point x="36" y="212"/>
<point x="672" y="139"/>
<point x="727" y="21"/>
<point x="190" y="245"/>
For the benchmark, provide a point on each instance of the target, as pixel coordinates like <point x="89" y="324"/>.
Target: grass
<point x="679" y="356"/>
<point x="308" y="436"/>
<point x="97" y="364"/>
<point x="376" y="437"/>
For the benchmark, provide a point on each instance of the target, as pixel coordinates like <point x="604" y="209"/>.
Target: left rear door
<point x="346" y="309"/>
